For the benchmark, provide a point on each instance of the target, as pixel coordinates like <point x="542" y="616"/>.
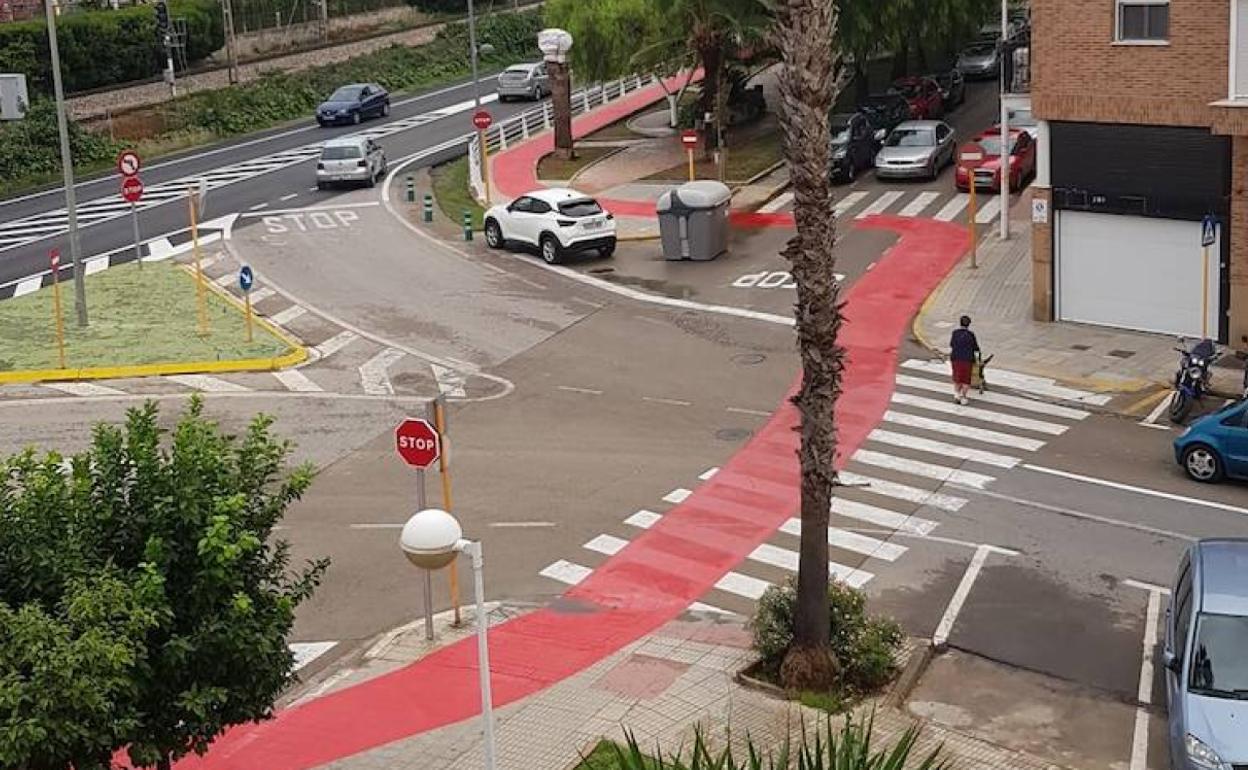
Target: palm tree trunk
<point x="712" y="56"/>
<point x="803" y="29"/>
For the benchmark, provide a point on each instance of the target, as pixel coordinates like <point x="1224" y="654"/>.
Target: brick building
<point x="1144" y="132"/>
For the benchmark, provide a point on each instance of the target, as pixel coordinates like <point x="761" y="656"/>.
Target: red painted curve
<point x="651" y="580"/>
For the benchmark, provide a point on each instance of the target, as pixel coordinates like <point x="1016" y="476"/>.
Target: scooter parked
<point x="1191" y="381"/>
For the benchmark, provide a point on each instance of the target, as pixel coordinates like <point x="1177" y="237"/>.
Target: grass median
<point x="138" y="316"/>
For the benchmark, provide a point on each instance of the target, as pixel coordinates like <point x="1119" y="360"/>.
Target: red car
<point x="986" y="169"/>
<point x="924" y="96"/>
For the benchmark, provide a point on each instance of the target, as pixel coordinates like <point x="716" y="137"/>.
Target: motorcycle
<point x="1191" y="381"/>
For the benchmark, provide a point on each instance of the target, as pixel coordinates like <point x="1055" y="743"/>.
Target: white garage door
<point x="1134" y="273"/>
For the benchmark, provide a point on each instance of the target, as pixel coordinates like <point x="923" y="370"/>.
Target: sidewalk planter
<point x="693" y="220"/>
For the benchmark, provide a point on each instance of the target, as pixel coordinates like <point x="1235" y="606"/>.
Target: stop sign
<point x="482" y="120"/>
<point x="417" y="443"/>
<point x="132" y="189"/>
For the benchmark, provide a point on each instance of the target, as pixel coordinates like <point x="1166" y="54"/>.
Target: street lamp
<point x="1006" y="155"/>
<point x="555" y="44"/>
<point x="432" y="539"/>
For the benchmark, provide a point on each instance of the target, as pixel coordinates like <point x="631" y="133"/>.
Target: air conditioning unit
<point x="14" y="101"/>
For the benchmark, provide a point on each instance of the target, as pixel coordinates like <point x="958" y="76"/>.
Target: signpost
<point x="55" y="258"/>
<point x="420" y="446"/>
<point x="689" y="139"/>
<point x="247" y="279"/>
<point x="482" y="120"/>
<point x="1208" y="237"/>
<point x="128" y="165"/>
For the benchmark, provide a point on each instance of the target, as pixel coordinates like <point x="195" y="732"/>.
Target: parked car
<point x="1205" y="657"/>
<point x="952" y="87"/>
<point x="524" y="81"/>
<point x="980" y="61"/>
<point x="923" y="95"/>
<point x="557" y="221"/>
<point x="916" y="148"/>
<point x="885" y="112"/>
<point x="853" y="145"/>
<point x="1215" y="446"/>
<point x="353" y="103"/>
<point x="350" y="159"/>
<point x="985" y="170"/>
<point x="1022" y="118"/>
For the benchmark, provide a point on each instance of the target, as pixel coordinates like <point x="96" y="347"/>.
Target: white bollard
<point x="524" y="126"/>
<point x="502" y="137"/>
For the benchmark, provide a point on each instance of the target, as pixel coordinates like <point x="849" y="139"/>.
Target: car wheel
<point x="385" y="110"/>
<point x="1202" y="464"/>
<point x="321" y="123"/>
<point x="494" y="235"/>
<point x="321" y="185"/>
<point x="552" y="252"/>
<point x="372" y="180"/>
<point x="355" y="118"/>
<point x="607" y="252"/>
<point x="537" y="94"/>
<point x="851" y="172"/>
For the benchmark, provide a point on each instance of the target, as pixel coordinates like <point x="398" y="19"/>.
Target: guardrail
<point x="539" y="119"/>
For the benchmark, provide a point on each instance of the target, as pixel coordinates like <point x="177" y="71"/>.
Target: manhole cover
<point x="1081" y="347"/>
<point x="1121" y="353"/>
<point x="749" y="359"/>
<point x="732" y="434"/>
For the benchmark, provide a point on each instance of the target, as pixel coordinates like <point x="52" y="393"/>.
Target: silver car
<point x="350" y="159"/>
<point x="1205" y="654"/>
<point x="916" y="148"/>
<point x="524" y="81"/>
<point x="980" y="61"/>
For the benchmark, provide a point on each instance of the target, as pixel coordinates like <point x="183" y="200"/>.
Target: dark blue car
<point x="353" y="103"/>
<point x="1215" y="446"/>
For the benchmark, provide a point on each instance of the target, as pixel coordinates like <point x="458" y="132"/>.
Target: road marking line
<point x="82" y="389"/>
<point x="1143" y="586"/>
<point x="1083" y="515"/>
<point x="207" y="384"/>
<point x="777" y="203"/>
<point x="450" y="382"/>
<point x="851" y="541"/>
<point x="523" y="524"/>
<point x="261" y="294"/>
<point x="873" y="514"/>
<point x="677" y="496"/>
<point x="1151" y="419"/>
<point x="788" y="560"/>
<point x="310" y="209"/>
<point x="306" y="652"/>
<point x="28" y="286"/>
<point x="566" y="572"/>
<point x="848" y="202"/>
<point x="373" y="375"/>
<point x="1040" y="386"/>
<point x="988" y="211"/>
<point x="910" y="494"/>
<point x="941" y="636"/>
<point x="207" y="262"/>
<point x="920" y="202"/>
<point x="668" y="401"/>
<point x="93" y="266"/>
<point x="751" y="412"/>
<point x="700" y="607"/>
<point x="953" y="207"/>
<point x="942" y="540"/>
<point x="334" y="343"/>
<point x="975" y="413"/>
<point x="295" y="380"/>
<point x="258" y="206"/>
<point x="289" y="197"/>
<point x="1000" y="399"/>
<point x="942" y="448"/>
<point x="963" y="431"/>
<point x="606" y="544"/>
<point x="643" y="519"/>
<point x="572" y="389"/>
<point x="159" y="249"/>
<point x="880" y="204"/>
<point x="287" y="315"/>
<point x="927" y="470"/>
<point x="708" y="473"/>
<point x="222" y="281"/>
<point x="1138" y="490"/>
<point x="1139" y="737"/>
<point x="743" y="585"/>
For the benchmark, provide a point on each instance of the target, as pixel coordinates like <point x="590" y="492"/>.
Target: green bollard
<point x="428" y="207"/>
<point x="467" y="225"/>
<point x="411" y="189"/>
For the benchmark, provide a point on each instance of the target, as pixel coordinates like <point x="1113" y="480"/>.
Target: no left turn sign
<point x="128" y="163"/>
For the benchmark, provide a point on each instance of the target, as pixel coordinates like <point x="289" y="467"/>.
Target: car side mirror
<point x="1171" y="662"/>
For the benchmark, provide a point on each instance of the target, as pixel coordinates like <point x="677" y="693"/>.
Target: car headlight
<point x="1195" y="372"/>
<point x="1201" y="755"/>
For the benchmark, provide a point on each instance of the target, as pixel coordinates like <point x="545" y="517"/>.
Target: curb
<point x="909" y="677"/>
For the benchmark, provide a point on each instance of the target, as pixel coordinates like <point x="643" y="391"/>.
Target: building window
<point x="1143" y="20"/>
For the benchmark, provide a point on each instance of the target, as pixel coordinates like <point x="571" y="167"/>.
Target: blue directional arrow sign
<point x="1208" y="230"/>
<point x="246" y="278"/>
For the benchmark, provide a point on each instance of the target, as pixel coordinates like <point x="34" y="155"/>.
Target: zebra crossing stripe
<point x="222" y="281"/>
<point x="288" y="315"/>
<point x="677" y="496"/>
<point x="335" y="343"/>
<point x="848" y="202"/>
<point x="883" y="517"/>
<point x="851" y="541"/>
<point x="920" y="202"/>
<point x="988" y="211"/>
<point x="963" y="431"/>
<point x="643" y="519"/>
<point x="306" y="652"/>
<point x="880" y="204"/>
<point x="1039" y="386"/>
<point x="606" y="544"/>
<point x="82" y="389"/>
<point x="1000" y="399"/>
<point x="788" y="560"/>
<point x="743" y="585"/>
<point x="261" y="294"/>
<point x="922" y="469"/>
<point x="943" y="448"/>
<point x="566" y="572"/>
<point x="203" y="382"/>
<point x="975" y="413"/>
<point x="954" y="207"/>
<point x="296" y="381"/>
<point x="945" y="502"/>
<point x="777" y="203"/>
<point x="700" y="607"/>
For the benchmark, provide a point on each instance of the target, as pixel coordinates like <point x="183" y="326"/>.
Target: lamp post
<point x="555" y="44"/>
<point x="432" y="539"/>
<point x="1006" y="155"/>
<point x="67" y="169"/>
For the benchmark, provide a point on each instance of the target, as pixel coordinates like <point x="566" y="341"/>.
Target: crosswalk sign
<point x="1208" y="230"/>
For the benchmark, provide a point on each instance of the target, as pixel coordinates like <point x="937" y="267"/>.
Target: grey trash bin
<point x="693" y="220"/>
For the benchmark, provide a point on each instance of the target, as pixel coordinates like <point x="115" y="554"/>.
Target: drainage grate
<point x="1081" y="347"/>
<point x="749" y="359"/>
<point x="1121" y="353"/>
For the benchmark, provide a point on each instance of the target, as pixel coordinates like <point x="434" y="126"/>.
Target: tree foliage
<point x="144" y="604"/>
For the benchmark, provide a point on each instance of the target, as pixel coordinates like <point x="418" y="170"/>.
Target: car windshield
<point x="1220" y="656"/>
<point x="340" y="152"/>
<point x="521" y="71"/>
<point x="979" y="50"/>
<point x="583" y="207"/>
<point x="911" y="137"/>
<point x="992" y="145"/>
<point x="346" y="94"/>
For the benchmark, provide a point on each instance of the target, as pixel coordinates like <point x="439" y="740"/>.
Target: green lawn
<point x="138" y="316"/>
<point x="450" y="189"/>
<point x="746" y="158"/>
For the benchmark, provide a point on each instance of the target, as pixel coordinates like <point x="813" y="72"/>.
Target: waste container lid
<point x="694" y="196"/>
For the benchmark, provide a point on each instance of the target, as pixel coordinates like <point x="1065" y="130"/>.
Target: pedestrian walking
<point x="963" y="353"/>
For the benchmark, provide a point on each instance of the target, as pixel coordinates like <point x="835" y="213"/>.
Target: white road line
<point x="743" y="585"/>
<point x="988" y="211"/>
<point x="933" y="471"/>
<point x="306" y="652"/>
<point x="289" y="197"/>
<point x="788" y="560"/>
<point x="450" y="382"/>
<point x="963" y="431"/>
<point x="295" y="380"/>
<point x="258" y="206"/>
<point x="261" y="294"/>
<point x="158" y="249"/>
<point x="28" y="286"/>
<point x="752" y="412"/>
<point x="700" y="607"/>
<point x="1162" y="405"/>
<point x="1143" y="586"/>
<point x="942" y="448"/>
<point x="920" y="202"/>
<point x="607" y="544"/>
<point x="777" y="203"/>
<point x="872" y="514"/>
<point x="1139" y="737"/>
<point x="573" y="389"/>
<point x="223" y="281"/>
<point x="848" y="202"/>
<point x="566" y="572"/>
<point x="93" y="266"/>
<point x="287" y="315"/>
<point x="950" y="503"/>
<point x="206" y="384"/>
<point x="677" y="496"/>
<point x="851" y="541"/>
<point x="941" y="636"/>
<point x="1138" y="490"/>
<point x="953" y="207"/>
<point x="880" y="204"/>
<point x="373" y="376"/>
<point x="1040" y="386"/>
<point x="207" y="262"/>
<point x="334" y="343"/>
<point x="1000" y="399"/>
<point x="668" y="401"/>
<point x="82" y="389"/>
<point x="975" y="413"/>
<point x="708" y="473"/>
<point x="643" y="519"/>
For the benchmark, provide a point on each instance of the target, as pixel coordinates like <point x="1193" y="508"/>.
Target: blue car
<point x="353" y="103"/>
<point x="1216" y="445"/>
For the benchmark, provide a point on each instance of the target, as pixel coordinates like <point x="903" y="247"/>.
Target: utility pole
<point x="67" y="169"/>
<point x="1006" y="154"/>
<point x="472" y="43"/>
<point x="323" y="21"/>
<point x="165" y="29"/>
<point x="231" y="48"/>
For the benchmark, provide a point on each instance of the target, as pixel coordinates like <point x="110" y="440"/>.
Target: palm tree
<point x="803" y="31"/>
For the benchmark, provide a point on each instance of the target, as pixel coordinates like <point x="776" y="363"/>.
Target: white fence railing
<point x="534" y="121"/>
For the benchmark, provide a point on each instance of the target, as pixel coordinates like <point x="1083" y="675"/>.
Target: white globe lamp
<point x="430" y="538"/>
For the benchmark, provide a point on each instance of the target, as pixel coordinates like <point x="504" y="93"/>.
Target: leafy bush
<point x="440" y="6"/>
<point x="103" y="48"/>
<point x="865" y="646"/>
<point x="30" y="148"/>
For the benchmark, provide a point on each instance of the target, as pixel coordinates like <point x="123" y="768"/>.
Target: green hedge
<point x="30" y="149"/>
<point x="102" y="48"/>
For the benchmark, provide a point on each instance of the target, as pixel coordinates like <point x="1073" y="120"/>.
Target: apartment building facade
<point x="1144" y="134"/>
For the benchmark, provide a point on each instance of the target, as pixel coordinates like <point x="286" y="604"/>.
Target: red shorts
<point x="961" y="372"/>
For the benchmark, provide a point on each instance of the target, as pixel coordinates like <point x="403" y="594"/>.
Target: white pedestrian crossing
<point x="920" y="203"/>
<point x="963" y="431"/>
<point x="921" y="444"/>
<point x="335" y="343"/>
<point x="880" y="204"/>
<point x="566" y="572"/>
<point x="945" y="502"/>
<point x="296" y="381"/>
<point x="777" y="203"/>
<point x="643" y="519"/>
<point x="848" y="202"/>
<point x="882" y="517"/>
<point x="1000" y="399"/>
<point x="83" y="389"/>
<point x="787" y="560"/>
<point x="953" y="208"/>
<point x="922" y="469"/>
<point x="203" y="382"/>
<point x="261" y="294"/>
<point x="1039" y="386"/>
<point x="975" y="413"/>
<point x="988" y="211"/>
<point x="851" y="541"/>
<point x="287" y="315"/>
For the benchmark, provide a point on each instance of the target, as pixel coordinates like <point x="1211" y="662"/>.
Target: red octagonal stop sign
<point x="417" y="442"/>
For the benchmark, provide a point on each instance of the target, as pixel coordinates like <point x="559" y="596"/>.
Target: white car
<point x="350" y="159"/>
<point x="558" y="221"/>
